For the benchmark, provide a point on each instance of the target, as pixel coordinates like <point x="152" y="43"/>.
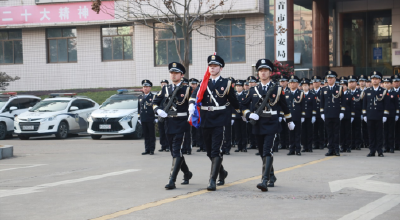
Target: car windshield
<point x="50" y="106"/>
<point x="3" y="102"/>
<point x="120" y="102"/>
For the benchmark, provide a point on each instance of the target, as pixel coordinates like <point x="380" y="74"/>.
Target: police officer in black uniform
<point x="364" y="128"/>
<point x="147" y="117"/>
<point x="214" y="116"/>
<point x="389" y="126"/>
<point x="309" y="115"/>
<point x="356" y="113"/>
<point x="283" y="136"/>
<point x="227" y="143"/>
<point x="252" y="141"/>
<point x="319" y="126"/>
<point x="345" y="123"/>
<point x="161" y="130"/>
<point x="267" y="123"/>
<point x="197" y="140"/>
<point x="396" y="89"/>
<point x="295" y="103"/>
<point x="332" y="112"/>
<point x="240" y="121"/>
<point x="376" y="106"/>
<point x="175" y="121"/>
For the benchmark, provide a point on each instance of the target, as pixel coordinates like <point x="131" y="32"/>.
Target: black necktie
<point x="173" y="88"/>
<point x="264" y="88"/>
<point x="213" y="82"/>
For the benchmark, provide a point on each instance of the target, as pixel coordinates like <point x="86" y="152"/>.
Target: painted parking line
<point x="197" y="193"/>
<point x="21" y="166"/>
<point x="42" y="187"/>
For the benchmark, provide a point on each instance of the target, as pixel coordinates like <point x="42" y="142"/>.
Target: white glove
<point x="156" y="120"/>
<point x="313" y="119"/>
<point x="139" y="121"/>
<point x="191" y="109"/>
<point x="284" y="119"/>
<point x="323" y="117"/>
<point x="244" y="118"/>
<point x="341" y="116"/>
<point x="352" y="119"/>
<point x="396" y="118"/>
<point x="384" y="119"/>
<point x="162" y="113"/>
<point x="232" y="121"/>
<point x="302" y="120"/>
<point x="365" y="119"/>
<point x="280" y="119"/>
<point x="254" y="116"/>
<point x="291" y="126"/>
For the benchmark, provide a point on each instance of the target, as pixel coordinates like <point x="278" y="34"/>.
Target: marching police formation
<point x="301" y="115"/>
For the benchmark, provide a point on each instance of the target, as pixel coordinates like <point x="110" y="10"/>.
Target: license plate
<point x="105" y="126"/>
<point x="28" y="127"/>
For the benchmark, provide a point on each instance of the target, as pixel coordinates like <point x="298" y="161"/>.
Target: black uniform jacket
<point x="145" y="109"/>
<point x="376" y="104"/>
<point x="331" y="101"/>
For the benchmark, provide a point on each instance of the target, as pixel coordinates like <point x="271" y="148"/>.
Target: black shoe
<point x="166" y="150"/>
<point x="371" y="155"/>
<point x="330" y="153"/>
<point x="310" y="151"/>
<point x="189" y="153"/>
<point x="161" y="150"/>
<point x="222" y="176"/>
<point x="272" y="178"/>
<point x="215" y="166"/>
<point x="187" y="175"/>
<point x="341" y="150"/>
<point x="258" y="154"/>
<point x="146" y="152"/>
<point x="267" y="167"/>
<point x="227" y="153"/>
<point x="337" y="153"/>
<point x="298" y="154"/>
<point x="348" y="150"/>
<point x="304" y="150"/>
<point x="244" y="150"/>
<point x="291" y="153"/>
<point x="316" y="147"/>
<point x="392" y="151"/>
<point x="151" y="152"/>
<point x="199" y="150"/>
<point x="386" y="151"/>
<point x="380" y="155"/>
<point x="176" y="166"/>
<point x="237" y="150"/>
<point x="204" y="150"/>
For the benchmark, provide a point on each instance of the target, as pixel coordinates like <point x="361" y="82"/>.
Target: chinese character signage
<point x="377" y="53"/>
<point x="54" y="13"/>
<point x="281" y="26"/>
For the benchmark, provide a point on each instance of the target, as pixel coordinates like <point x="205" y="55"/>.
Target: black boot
<point x="267" y="163"/>
<point x="272" y="178"/>
<point x="187" y="175"/>
<point x="222" y="175"/>
<point x="330" y="153"/>
<point x="176" y="165"/>
<point x="215" y="166"/>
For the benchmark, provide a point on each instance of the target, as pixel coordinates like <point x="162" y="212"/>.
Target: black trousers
<point x="149" y="136"/>
<point x="375" y="134"/>
<point x="163" y="136"/>
<point x="193" y="131"/>
<point x="284" y="135"/>
<point x="187" y="142"/>
<point x="332" y="127"/>
<point x="175" y="143"/>
<point x="365" y="133"/>
<point x="397" y="136"/>
<point x="265" y="143"/>
<point x="233" y="132"/>
<point x="199" y="136"/>
<point x="356" y="138"/>
<point x="295" y="137"/>
<point x="345" y="133"/>
<point x="319" y="132"/>
<point x="240" y="133"/>
<point x="250" y="136"/>
<point x="213" y="141"/>
<point x="388" y="133"/>
<point x="227" y="144"/>
<point x="307" y="134"/>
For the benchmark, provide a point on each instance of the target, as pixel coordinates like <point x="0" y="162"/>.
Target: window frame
<point x="13" y="47"/>
<point x="59" y="38"/>
<point x="230" y="39"/>
<point x="166" y="40"/>
<point x="112" y="45"/>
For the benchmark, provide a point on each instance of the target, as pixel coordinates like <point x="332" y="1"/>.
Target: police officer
<point x="396" y="89"/>
<point x="364" y="128"/>
<point x="246" y="86"/>
<point x="319" y="127"/>
<point x="267" y="123"/>
<point x="187" y="141"/>
<point x="345" y="123"/>
<point x="295" y="103"/>
<point x="197" y="140"/>
<point x="252" y="141"/>
<point x="227" y="142"/>
<point x="332" y="112"/>
<point x="175" y="121"/>
<point x="283" y="136"/>
<point x="389" y="126"/>
<point x="147" y="117"/>
<point x="214" y="116"/>
<point x="356" y="113"/>
<point x="161" y="130"/>
<point x="240" y="121"/>
<point x="309" y="115"/>
<point x="376" y="106"/>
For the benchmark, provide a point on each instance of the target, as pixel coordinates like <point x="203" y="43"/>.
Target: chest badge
<point x="273" y="96"/>
<point x="222" y="88"/>
<point x="325" y="92"/>
<point x="337" y="91"/>
<point x="182" y="95"/>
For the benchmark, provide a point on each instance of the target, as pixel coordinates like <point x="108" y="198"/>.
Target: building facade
<point x="63" y="44"/>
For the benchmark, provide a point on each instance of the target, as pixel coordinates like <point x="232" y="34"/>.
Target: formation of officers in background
<point x="320" y="120"/>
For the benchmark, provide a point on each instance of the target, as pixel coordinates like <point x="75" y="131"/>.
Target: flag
<point x="195" y="119"/>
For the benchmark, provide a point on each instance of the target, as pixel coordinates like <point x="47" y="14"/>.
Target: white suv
<point x="118" y="115"/>
<point x="61" y="114"/>
<point x="12" y="105"/>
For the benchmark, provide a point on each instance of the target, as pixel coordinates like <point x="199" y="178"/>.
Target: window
<point x="230" y="40"/>
<point x="11" y="47"/>
<point x="164" y="45"/>
<point x="61" y="44"/>
<point x="117" y="43"/>
<point x="83" y="104"/>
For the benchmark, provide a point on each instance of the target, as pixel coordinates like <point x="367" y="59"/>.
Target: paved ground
<point x="80" y="178"/>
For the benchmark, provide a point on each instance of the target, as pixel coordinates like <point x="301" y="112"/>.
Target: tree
<point x="6" y="79"/>
<point x="177" y="16"/>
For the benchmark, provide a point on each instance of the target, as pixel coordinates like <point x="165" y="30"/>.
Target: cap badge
<point x="213" y="57"/>
<point x="174" y="65"/>
<point x="262" y="61"/>
<point x="329" y="72"/>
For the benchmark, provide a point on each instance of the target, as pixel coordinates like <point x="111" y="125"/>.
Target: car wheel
<point x="23" y="137"/>
<point x="3" y="131"/>
<point x="137" y="134"/>
<point x="62" y="131"/>
<point x="95" y="137"/>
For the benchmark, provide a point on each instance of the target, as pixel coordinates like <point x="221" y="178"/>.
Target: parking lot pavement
<point x="81" y="178"/>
